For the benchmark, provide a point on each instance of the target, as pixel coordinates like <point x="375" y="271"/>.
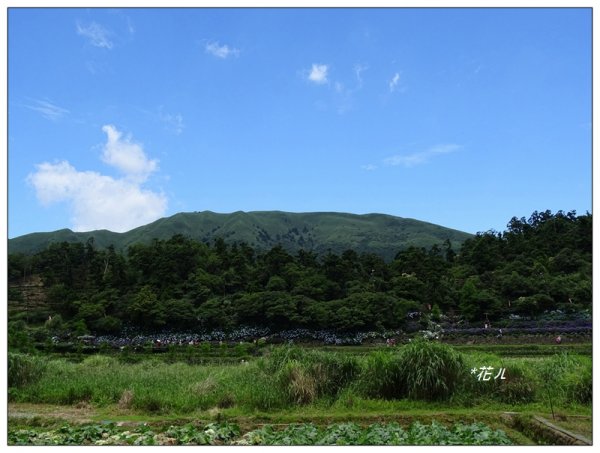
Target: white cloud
<point x="318" y="74"/>
<point x="97" y="35"/>
<point x="219" y="51"/>
<point x="98" y="201"/>
<point x="394" y="82"/>
<point x="48" y="110"/>
<point x="126" y="156"/>
<point x="410" y="160"/>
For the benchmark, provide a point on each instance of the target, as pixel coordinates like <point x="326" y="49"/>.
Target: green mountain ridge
<point x="381" y="234"/>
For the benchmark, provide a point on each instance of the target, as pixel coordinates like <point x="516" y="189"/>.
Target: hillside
<point x="381" y="234"/>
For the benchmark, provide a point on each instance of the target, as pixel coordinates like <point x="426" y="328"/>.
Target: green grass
<point x="527" y="350"/>
<point x="295" y="380"/>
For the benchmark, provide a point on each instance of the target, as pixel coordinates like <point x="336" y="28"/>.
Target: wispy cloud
<point x="172" y="122"/>
<point x="47" y="109"/>
<point x="369" y="167"/>
<point x="345" y="95"/>
<point x="97" y="35"/>
<point x="130" y="27"/>
<point x="394" y="82"/>
<point x="421" y="157"/>
<point x="358" y="69"/>
<point x="318" y="74"/>
<point x="220" y="51"/>
<point x="98" y="201"/>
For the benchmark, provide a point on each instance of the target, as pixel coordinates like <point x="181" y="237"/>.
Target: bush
<point x="19" y="339"/>
<point x="24" y="369"/>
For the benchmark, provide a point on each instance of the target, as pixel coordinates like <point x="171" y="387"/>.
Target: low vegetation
<point x="295" y="434"/>
<point x="291" y="376"/>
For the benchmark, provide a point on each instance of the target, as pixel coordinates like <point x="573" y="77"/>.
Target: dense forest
<point x="536" y="265"/>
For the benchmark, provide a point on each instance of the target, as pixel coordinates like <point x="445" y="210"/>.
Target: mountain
<point x="381" y="234"/>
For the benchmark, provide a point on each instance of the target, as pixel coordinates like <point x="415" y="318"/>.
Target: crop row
<point x="295" y="434"/>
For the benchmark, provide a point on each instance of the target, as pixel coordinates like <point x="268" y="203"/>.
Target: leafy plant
<point x="230" y="434"/>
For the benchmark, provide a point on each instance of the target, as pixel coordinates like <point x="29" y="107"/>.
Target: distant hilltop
<point x="382" y="234"/>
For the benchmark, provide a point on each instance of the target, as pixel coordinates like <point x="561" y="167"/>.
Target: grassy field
<point x="425" y="382"/>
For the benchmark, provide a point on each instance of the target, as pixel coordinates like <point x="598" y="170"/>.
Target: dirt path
<point x="82" y="413"/>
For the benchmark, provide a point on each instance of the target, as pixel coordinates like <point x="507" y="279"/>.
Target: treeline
<point x="537" y="264"/>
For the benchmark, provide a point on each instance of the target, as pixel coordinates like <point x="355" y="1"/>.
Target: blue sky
<point x="459" y="117"/>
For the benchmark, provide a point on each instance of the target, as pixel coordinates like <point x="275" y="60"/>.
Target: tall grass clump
<point x="151" y="386"/>
<point x="566" y="378"/>
<point x="305" y="375"/>
<point x="250" y="387"/>
<point x="431" y="371"/>
<point x="578" y="385"/>
<point x="381" y="376"/>
<point x="511" y="381"/>
<point x="519" y="385"/>
<point x="24" y="369"/>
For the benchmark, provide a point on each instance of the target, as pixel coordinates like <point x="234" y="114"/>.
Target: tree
<point x="145" y="309"/>
<point x="477" y="303"/>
